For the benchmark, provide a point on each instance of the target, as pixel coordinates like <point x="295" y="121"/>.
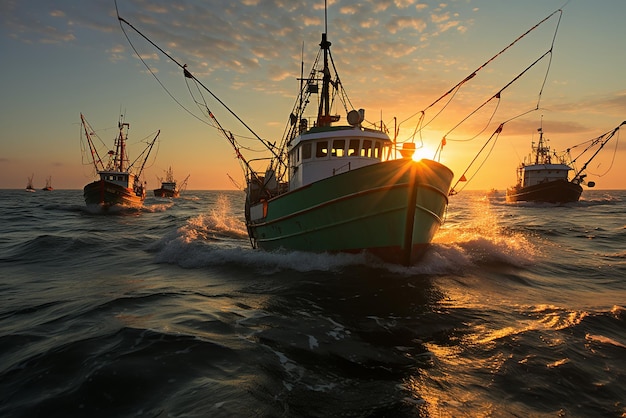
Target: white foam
<point x="218" y="237"/>
<point x="313" y="342"/>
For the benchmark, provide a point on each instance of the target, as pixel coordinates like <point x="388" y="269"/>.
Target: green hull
<point x="390" y="209"/>
<point x="109" y="194"/>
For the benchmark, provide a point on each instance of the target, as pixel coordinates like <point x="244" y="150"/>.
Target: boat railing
<point x="345" y="167"/>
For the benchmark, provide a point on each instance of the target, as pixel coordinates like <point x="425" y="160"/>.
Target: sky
<point x="395" y="58"/>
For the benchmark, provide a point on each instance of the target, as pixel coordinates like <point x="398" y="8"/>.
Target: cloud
<point x="403" y="4"/>
<point x="612" y="103"/>
<point x="438" y="18"/>
<point x="398" y="23"/>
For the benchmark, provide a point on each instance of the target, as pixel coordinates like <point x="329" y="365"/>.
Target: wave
<point x="111" y="371"/>
<point x="157" y="207"/>
<point x="220" y="238"/>
<point x="126" y="210"/>
<point x="48" y="247"/>
<point x="607" y="199"/>
<point x="203" y="242"/>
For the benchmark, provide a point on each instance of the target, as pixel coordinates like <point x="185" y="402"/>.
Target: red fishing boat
<point x="119" y="183"/>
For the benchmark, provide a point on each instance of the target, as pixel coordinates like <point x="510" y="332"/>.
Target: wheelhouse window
<point x="353" y="147"/>
<point x="339" y="146"/>
<point x="321" y="150"/>
<point x="306" y="151"/>
<point x="366" y="150"/>
<point x="378" y="149"/>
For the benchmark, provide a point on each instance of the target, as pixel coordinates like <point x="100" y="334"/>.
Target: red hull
<point x="109" y="194"/>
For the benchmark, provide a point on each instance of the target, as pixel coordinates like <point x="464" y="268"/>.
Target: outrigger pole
<point x="188" y="74"/>
<point x="603" y="139"/>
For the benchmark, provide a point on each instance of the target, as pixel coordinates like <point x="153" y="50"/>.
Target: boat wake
<point x="598" y="201"/>
<point x="125" y="210"/>
<point x="479" y="241"/>
<point x="190" y="198"/>
<point x="219" y="238"/>
<point x="158" y="207"/>
<point x="480" y="247"/>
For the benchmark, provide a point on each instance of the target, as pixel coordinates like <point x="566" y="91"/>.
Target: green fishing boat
<point x="334" y="186"/>
<point x="344" y="187"/>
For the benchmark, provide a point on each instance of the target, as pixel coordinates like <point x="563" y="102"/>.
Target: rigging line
<point x="342" y="91"/>
<point x="267" y="144"/>
<point x="493" y="114"/>
<point x="147" y="155"/>
<point x="148" y="149"/>
<point x="499" y="93"/>
<point x="612" y="159"/>
<point x="473" y="74"/>
<point x="215" y="123"/>
<point x="157" y="78"/>
<point x="593" y="141"/>
<point x="498" y="130"/>
<point x="590" y="143"/>
<point x="545" y="79"/>
<point x="520" y="115"/>
<point x="205" y="107"/>
<point x="610" y="135"/>
<point x="496" y="134"/>
<point x="419" y="127"/>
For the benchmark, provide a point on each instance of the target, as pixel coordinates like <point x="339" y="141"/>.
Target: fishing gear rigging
<point x="308" y="87"/>
<point x="89" y="134"/>
<point x="598" y="142"/>
<point x="202" y="103"/>
<point x="496" y="96"/>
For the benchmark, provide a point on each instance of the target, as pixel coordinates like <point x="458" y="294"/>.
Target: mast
<point x="149" y="149"/>
<point x="539" y="145"/>
<point x="95" y="157"/>
<point x="120" y="151"/>
<point x="542" y="155"/>
<point x="323" y="113"/>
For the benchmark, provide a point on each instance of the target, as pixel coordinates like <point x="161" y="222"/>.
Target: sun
<point x="424" y="152"/>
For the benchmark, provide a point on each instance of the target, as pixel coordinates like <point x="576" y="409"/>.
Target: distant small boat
<point x="48" y="187"/>
<point x="29" y="184"/>
<point x="119" y="184"/>
<point x="547" y="180"/>
<point x="168" y="185"/>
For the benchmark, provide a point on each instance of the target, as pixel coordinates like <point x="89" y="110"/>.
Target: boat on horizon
<point x="545" y="177"/>
<point x="119" y="183"/>
<point x="48" y="187"/>
<point x="169" y="185"/>
<point x="29" y="184"/>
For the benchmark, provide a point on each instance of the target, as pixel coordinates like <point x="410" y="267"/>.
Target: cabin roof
<point x="541" y="167"/>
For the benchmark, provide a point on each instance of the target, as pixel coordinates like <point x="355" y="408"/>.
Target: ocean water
<point x="516" y="310"/>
